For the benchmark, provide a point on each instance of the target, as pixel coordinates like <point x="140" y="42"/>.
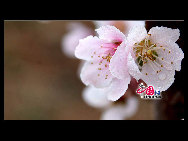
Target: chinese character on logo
<point x="148" y="91"/>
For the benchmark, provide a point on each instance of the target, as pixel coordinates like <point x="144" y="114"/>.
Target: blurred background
<point x="41" y="82"/>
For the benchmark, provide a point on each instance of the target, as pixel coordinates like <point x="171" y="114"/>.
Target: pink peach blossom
<point x="99" y="54"/>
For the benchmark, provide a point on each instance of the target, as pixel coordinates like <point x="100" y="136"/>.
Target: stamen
<point x="151" y="64"/>
<point x="160" y="65"/>
<point x="161" y="59"/>
<point x="106" y="76"/>
<point x="161" y="47"/>
<point x="156" y="65"/>
<point x="153" y="45"/>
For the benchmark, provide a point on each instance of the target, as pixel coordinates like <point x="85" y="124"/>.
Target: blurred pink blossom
<point x="95" y="97"/>
<point x="69" y="42"/>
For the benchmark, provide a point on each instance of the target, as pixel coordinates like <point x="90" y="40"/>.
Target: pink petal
<point x="117" y="88"/>
<point x="92" y="75"/>
<point x="110" y="33"/>
<point x="98" y="24"/>
<point x="71" y="39"/>
<point x="118" y="63"/>
<point x="87" y="46"/>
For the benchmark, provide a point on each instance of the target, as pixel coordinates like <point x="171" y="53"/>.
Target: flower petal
<point x="110" y="33"/>
<point x="71" y="39"/>
<point x="161" y="80"/>
<point x="92" y="75"/>
<point x="164" y="34"/>
<point x="172" y="55"/>
<point x="98" y="24"/>
<point x="133" y="68"/>
<point x="95" y="97"/>
<point x="118" y="63"/>
<point x="80" y="66"/>
<point x="117" y="88"/>
<point x="131" y="24"/>
<point x="121" y="112"/>
<point x="136" y="34"/>
<point x="87" y="47"/>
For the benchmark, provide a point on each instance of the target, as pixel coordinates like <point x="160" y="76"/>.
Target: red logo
<point x="149" y="91"/>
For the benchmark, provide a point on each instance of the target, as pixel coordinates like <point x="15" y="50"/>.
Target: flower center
<point x="103" y="58"/>
<point x="110" y="49"/>
<point x="146" y="52"/>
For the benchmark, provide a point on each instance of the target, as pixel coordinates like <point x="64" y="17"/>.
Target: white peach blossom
<point x="154" y="56"/>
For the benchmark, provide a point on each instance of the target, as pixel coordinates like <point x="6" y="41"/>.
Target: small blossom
<point x="155" y="56"/>
<point x="121" y="111"/>
<point x="76" y="32"/>
<point x="99" y="52"/>
<point x="96" y="97"/>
